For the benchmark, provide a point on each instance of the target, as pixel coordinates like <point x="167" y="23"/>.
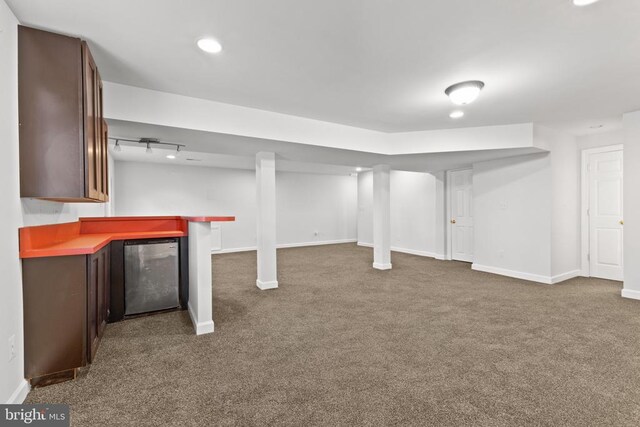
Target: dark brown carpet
<point x="428" y="343"/>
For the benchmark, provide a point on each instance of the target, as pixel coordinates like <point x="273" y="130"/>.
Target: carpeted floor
<point x="427" y="343"/>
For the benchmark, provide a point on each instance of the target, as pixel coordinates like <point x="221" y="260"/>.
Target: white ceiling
<point x="377" y="64"/>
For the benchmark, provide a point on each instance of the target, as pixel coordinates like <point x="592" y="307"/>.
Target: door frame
<point x="448" y="197"/>
<point x="585" y="267"/>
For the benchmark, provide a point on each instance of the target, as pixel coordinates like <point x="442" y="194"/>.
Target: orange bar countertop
<point x="89" y="235"/>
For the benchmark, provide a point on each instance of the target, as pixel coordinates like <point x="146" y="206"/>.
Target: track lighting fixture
<point x="149" y="142"/>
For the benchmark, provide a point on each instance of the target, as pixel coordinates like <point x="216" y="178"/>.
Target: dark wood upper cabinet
<point x="63" y="139"/>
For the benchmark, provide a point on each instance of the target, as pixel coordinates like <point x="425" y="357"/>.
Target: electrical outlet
<point x="12" y="347"/>
<point x="315" y="233"/>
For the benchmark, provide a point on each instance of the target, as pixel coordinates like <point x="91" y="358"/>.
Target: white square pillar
<point x="200" y="293"/>
<point x="381" y="218"/>
<point x="631" y="209"/>
<point x="266" y="220"/>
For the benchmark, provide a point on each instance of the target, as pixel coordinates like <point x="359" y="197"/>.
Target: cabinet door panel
<point x="55" y="322"/>
<point x="103" y="289"/>
<point x="51" y="130"/>
<point x="105" y="161"/>
<point x="92" y="129"/>
<point x="92" y="305"/>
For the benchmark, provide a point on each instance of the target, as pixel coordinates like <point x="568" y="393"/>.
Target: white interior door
<point x="461" y="215"/>
<point x="605" y="215"/>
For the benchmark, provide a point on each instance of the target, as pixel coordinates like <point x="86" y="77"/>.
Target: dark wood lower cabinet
<point x="66" y="303"/>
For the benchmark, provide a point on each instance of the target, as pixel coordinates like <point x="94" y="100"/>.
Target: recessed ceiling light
<point x="584" y="2"/>
<point x="209" y="45"/>
<point x="358" y="169"/>
<point x="456" y="114"/>
<point x="171" y="156"/>
<point x="464" y="92"/>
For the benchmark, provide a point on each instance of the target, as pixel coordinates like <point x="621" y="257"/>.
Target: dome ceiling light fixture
<point x="584" y="2"/>
<point x="209" y="45"/>
<point x="464" y="93"/>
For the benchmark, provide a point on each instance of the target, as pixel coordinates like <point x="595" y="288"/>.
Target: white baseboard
<point x="267" y="285"/>
<point x="201" y="328"/>
<point x="413" y="252"/>
<point x="565" y="276"/>
<point x="318" y="243"/>
<point x="234" y="250"/>
<point x="285" y="245"/>
<point x="407" y="251"/>
<point x="631" y="294"/>
<point x="20" y="393"/>
<point x="511" y="273"/>
<point x="547" y="280"/>
<point x="379" y="266"/>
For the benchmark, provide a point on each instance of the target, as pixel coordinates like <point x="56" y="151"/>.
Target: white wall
<point x="527" y="211"/>
<point x="11" y="372"/>
<point x="565" y="202"/>
<point x="306" y="203"/>
<point x="601" y="139"/>
<point x="512" y="215"/>
<point x="309" y="203"/>
<point x="413" y="211"/>
<point x="365" y="208"/>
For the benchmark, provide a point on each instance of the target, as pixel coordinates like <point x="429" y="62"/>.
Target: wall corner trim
<point x="630" y="293"/>
<point x="20" y="393"/>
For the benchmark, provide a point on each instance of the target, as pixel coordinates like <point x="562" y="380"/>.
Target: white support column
<point x="266" y="218"/>
<point x="381" y="218"/>
<point x="200" y="294"/>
